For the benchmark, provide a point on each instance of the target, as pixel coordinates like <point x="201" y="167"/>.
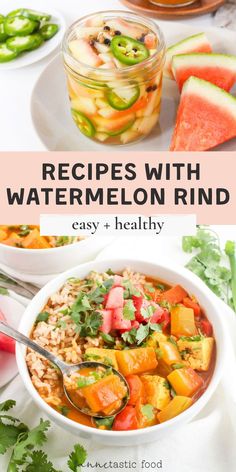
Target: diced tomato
<point x="118" y="320"/>
<point x="106" y="321"/>
<point x="134" y="324"/>
<point x="6" y="344"/>
<point x="157" y="315"/>
<point x="139" y="303"/>
<point x="189" y="303"/>
<point x="115" y="298"/>
<point x="165" y="319"/>
<point x="174" y="295"/>
<point x="206" y="327"/>
<point x="136" y="389"/>
<point x="126" y="419"/>
<point x="117" y="281"/>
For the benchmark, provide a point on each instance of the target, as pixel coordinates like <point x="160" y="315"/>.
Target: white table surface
<point x="17" y="132"/>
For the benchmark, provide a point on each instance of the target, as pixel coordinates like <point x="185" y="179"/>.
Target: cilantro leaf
<point x="30" y="439"/>
<point x="42" y="316"/>
<point x="148" y="311"/>
<point x="142" y="333"/>
<point x="107" y="338"/>
<point x="129" y="310"/>
<point x="39" y="463"/>
<point x="107" y="422"/>
<point x="130" y="289"/>
<point x="7" y="405"/>
<point x="207" y="263"/>
<point x="85" y="381"/>
<point x="148" y="412"/>
<point x="177" y="366"/>
<point x="129" y="336"/>
<point x="77" y="458"/>
<point x="8" y="436"/>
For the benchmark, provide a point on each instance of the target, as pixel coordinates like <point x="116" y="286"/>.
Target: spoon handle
<point x="12" y="333"/>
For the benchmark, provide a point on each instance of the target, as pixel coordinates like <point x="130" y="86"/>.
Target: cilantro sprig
<point x="138" y="336"/>
<point x="208" y="263"/>
<point x="85" y="309"/>
<point x="23" y="445"/>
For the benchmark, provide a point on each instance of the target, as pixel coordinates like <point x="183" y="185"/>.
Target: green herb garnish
<point x="129" y="310"/>
<point x="107" y="422"/>
<point x="42" y="316"/>
<point x="148" y="411"/>
<point x="208" y="263"/>
<point x="177" y="366"/>
<point x="230" y="251"/>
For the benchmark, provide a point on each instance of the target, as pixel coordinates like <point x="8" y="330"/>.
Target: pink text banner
<point x="116" y="183"/>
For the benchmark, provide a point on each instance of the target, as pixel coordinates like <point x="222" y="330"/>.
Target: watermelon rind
<point x="203" y="63"/>
<point x="187" y="45"/>
<point x="212" y="93"/>
<point x="204" y="60"/>
<point x="187" y="131"/>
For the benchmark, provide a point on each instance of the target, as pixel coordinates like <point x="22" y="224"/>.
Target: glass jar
<point x="97" y="95"/>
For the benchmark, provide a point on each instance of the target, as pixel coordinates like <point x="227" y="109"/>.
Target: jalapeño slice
<point x="84" y="124"/>
<point x="129" y="51"/>
<point x="6" y="54"/>
<point x="123" y="99"/>
<point x="24" y="43"/>
<point x="48" y="31"/>
<point x="19" y="26"/>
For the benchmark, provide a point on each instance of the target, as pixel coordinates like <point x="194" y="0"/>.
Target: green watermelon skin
<point x="196" y="43"/>
<point x="219" y="69"/>
<point x="206" y="117"/>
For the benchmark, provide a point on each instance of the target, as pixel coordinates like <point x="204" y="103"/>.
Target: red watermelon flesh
<point x="219" y="69"/>
<point x="206" y="117"/>
<point x="196" y="43"/>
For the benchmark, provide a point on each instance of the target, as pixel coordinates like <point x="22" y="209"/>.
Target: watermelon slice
<point x="206" y="117"/>
<point x="219" y="69"/>
<point x="196" y="43"/>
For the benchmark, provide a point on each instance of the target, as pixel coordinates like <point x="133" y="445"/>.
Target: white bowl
<point x="52" y="260"/>
<point x="172" y="275"/>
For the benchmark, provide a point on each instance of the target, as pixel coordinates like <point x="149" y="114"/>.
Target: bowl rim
<point x="49" y="250"/>
<point x="182" y="418"/>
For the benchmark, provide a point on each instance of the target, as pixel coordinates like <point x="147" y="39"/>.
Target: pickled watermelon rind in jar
<point x="114" y="66"/>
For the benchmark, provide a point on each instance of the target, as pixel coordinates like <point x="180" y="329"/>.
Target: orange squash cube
<point x="174" y="408"/>
<point x="136" y="361"/>
<point x="169" y="353"/>
<point x="183" y="322"/>
<point x="104" y="393"/>
<point x="34" y="241"/>
<point x="185" y="381"/>
<point x="3" y="234"/>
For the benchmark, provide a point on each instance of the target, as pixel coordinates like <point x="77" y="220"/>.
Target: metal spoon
<point x="66" y="369"/>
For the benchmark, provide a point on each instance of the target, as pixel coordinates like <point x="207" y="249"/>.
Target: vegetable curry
<point x="28" y="237"/>
<point x="156" y="335"/>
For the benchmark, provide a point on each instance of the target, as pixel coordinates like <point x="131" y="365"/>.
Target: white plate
<point x="50" y="105"/>
<point x="28" y="58"/>
<point x="13" y="311"/>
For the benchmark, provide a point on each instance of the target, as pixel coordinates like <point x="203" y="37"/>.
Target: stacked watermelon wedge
<point x="207" y="111"/>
